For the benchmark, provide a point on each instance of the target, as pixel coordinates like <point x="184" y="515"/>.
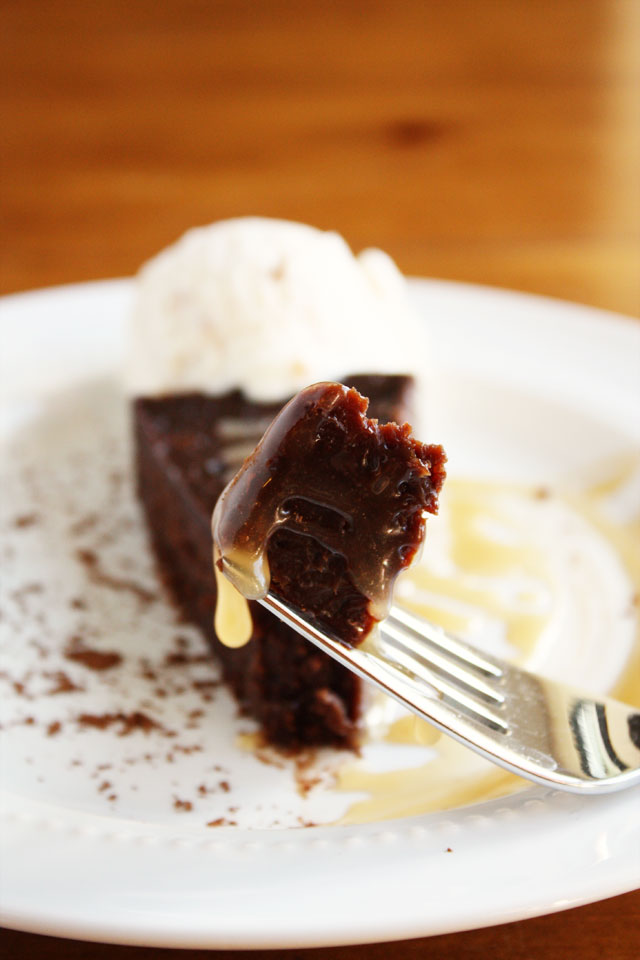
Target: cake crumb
<point x="305" y="782"/>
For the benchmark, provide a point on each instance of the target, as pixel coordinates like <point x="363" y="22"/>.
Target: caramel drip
<point x="233" y="624"/>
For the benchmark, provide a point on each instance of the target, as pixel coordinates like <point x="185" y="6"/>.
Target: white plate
<point x="522" y="388"/>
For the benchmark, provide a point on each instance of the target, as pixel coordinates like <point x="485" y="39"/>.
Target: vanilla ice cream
<point x="268" y="306"/>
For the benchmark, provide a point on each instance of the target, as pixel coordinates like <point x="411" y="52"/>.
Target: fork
<point x="537" y="728"/>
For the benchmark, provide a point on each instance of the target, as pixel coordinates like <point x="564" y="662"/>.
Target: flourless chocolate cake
<point x="188" y="447"/>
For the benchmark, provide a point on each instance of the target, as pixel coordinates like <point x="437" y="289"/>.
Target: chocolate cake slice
<point x="188" y="447"/>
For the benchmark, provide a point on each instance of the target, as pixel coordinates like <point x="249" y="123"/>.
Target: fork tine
<point x="411" y="668"/>
<point x="436" y="637"/>
<point x="441" y="662"/>
<point x="391" y="666"/>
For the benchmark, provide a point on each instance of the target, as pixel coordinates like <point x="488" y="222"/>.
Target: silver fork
<point x="542" y="730"/>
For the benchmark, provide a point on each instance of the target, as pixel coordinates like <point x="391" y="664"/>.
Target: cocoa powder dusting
<point x="78" y="652"/>
<point x="84" y="524"/>
<point x="62" y="683"/>
<point x="89" y="560"/>
<point x="129" y="721"/>
<point x="26" y="520"/>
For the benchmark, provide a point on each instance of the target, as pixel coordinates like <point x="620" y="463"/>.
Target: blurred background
<point x="486" y="141"/>
<point x="495" y="142"/>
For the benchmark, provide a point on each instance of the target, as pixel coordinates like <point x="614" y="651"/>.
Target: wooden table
<point x="491" y="142"/>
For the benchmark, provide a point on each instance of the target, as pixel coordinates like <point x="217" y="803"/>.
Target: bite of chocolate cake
<point x="327" y="511"/>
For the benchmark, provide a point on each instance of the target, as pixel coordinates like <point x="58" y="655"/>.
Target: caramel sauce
<point x="232" y="621"/>
<point x="493" y="573"/>
<point x="412" y="729"/>
<point x="453" y="778"/>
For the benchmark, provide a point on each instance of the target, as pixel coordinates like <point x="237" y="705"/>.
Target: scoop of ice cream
<point x="268" y="306"/>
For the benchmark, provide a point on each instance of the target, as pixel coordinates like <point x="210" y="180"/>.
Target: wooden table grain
<point x="494" y="142"/>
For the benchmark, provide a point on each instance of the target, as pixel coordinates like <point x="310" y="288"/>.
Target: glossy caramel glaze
<point x="328" y="510"/>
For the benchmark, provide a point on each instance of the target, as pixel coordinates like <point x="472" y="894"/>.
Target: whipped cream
<point x="268" y="306"/>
